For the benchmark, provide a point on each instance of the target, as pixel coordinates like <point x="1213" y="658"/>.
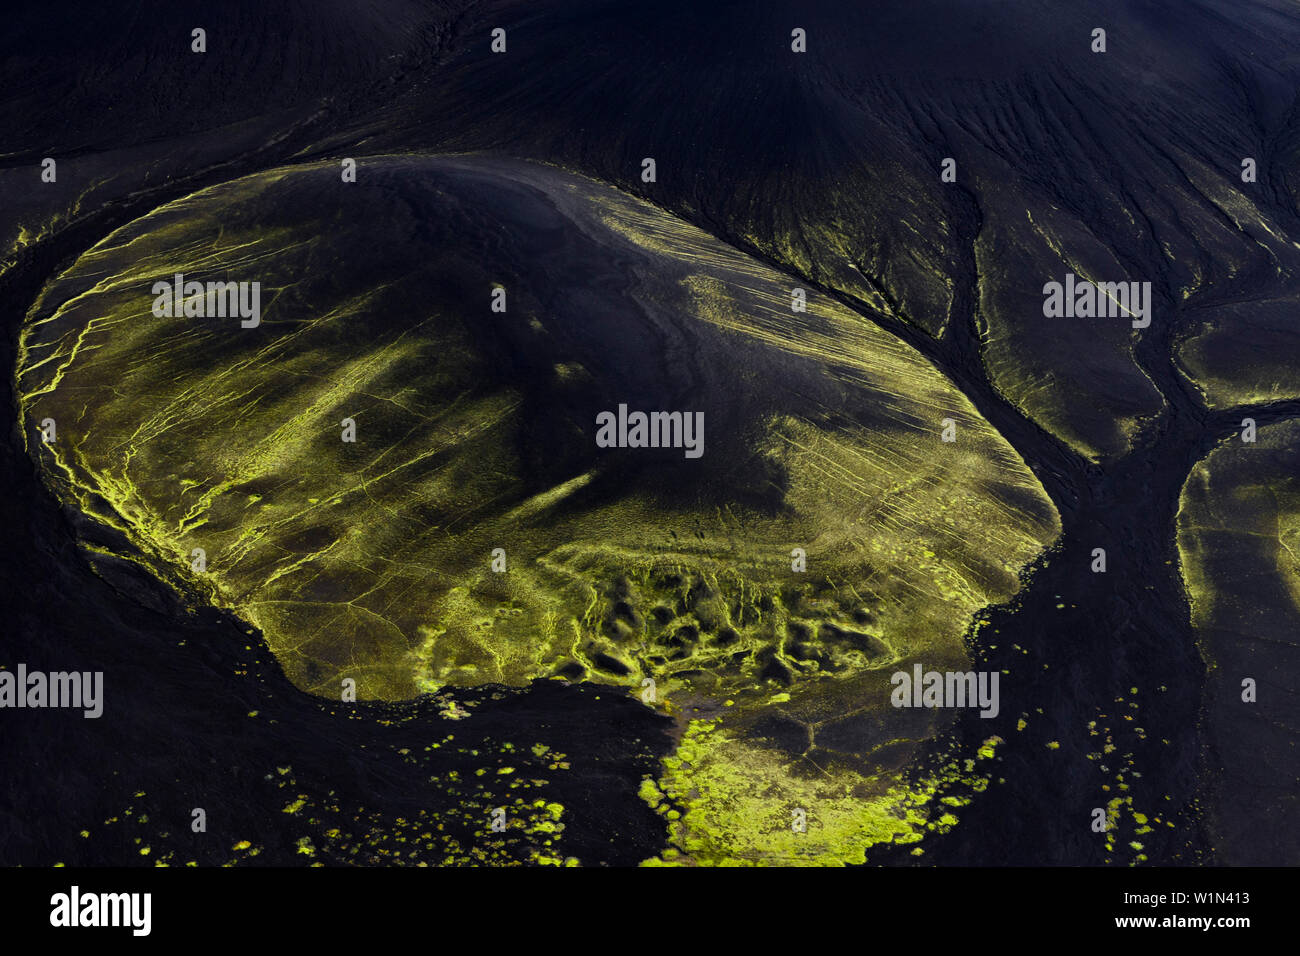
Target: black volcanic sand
<point x="476" y="429"/>
<point x="1118" y="166"/>
<point x="1237" y="534"/>
<point x="177" y="726"/>
<point x="176" y="733"/>
<point x="752" y="151"/>
<point x="368" y="560"/>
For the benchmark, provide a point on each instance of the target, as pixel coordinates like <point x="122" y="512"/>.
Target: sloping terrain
<point x="1170" y="159"/>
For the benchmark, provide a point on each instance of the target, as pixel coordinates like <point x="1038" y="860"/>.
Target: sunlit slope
<point x="475" y="430"/>
<point x="1239" y="538"/>
<point x="1120" y="166"/>
<point x="1245" y="353"/>
<point x="1213" y="249"/>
